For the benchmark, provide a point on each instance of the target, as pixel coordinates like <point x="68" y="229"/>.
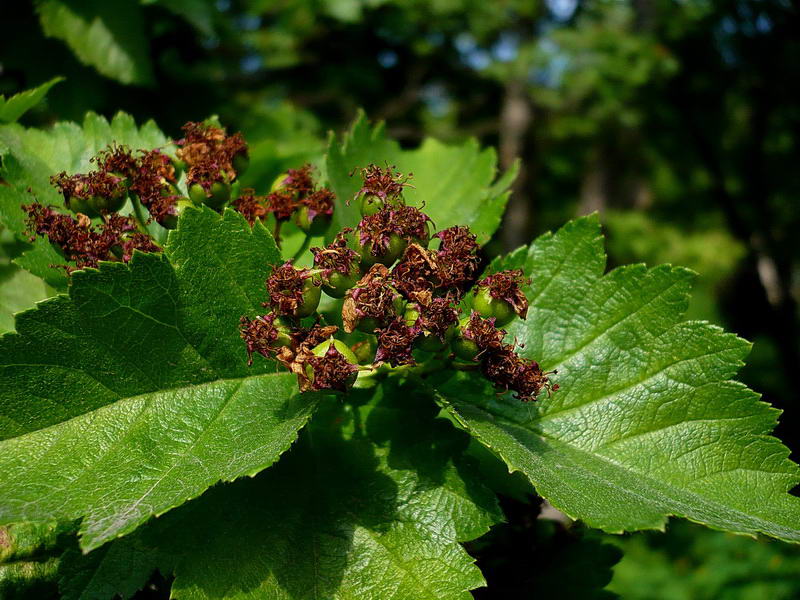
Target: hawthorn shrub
<point x="318" y="387"/>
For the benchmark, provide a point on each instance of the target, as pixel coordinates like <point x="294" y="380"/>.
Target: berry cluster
<point x="398" y="293"/>
<point x="211" y="159"/>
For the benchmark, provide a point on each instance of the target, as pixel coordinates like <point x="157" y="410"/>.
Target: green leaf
<point x="118" y="569"/>
<point x="143" y="394"/>
<point x="18" y="290"/>
<point x="32" y="156"/>
<point x="109" y="36"/>
<point x="18" y="104"/>
<point x="370" y="503"/>
<point x="29" y="559"/>
<point x="455" y="184"/>
<point x="647" y="422"/>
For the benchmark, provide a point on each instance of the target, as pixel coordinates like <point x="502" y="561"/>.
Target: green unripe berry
<point x="316" y="226"/>
<point x="311" y="296"/>
<point x="79" y="205"/>
<point x="371" y="204"/>
<point x="337" y="284"/>
<point x="218" y="195"/>
<point x="462" y="347"/>
<point x="100" y="204"/>
<point x="487" y="307"/>
<point x="395" y="249"/>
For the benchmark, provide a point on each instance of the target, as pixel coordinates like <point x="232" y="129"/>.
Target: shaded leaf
<point x="17" y="105"/>
<point x="109" y="36"/>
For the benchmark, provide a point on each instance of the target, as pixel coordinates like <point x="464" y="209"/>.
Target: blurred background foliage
<point x="676" y="119"/>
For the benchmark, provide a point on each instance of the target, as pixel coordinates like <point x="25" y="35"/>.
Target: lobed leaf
<point x="371" y="503"/>
<point x="647" y="422"/>
<point x="143" y="394"/>
<point x="456" y="185"/>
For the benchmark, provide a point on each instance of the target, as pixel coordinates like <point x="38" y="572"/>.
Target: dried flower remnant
<point x="298" y="181"/>
<point x="116" y="159"/>
<point x="336" y="257"/>
<point x="288" y="289"/>
<point x="395" y="343"/>
<point x="375" y="232"/>
<point x="319" y="203"/>
<point x="410" y="223"/>
<point x="416" y="273"/>
<point x="437" y="317"/>
<point x="457" y="259"/>
<point x="250" y="206"/>
<point x="483" y="333"/>
<point x="81" y="242"/>
<point x="205" y="143"/>
<point x="506" y="286"/>
<point x="372" y="303"/>
<point x="385" y="184"/>
<point x="331" y="371"/>
<point x="282" y="204"/>
<point x="260" y="335"/>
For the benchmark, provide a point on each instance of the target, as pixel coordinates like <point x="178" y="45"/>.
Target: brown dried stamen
<point x="395" y="343"/>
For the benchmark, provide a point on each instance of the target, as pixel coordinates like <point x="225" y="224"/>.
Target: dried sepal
<point x="383" y="183"/>
<point x="507" y="286"/>
<point x="372" y="301"/>
<point x="396" y="342"/>
<point x="250" y="206"/>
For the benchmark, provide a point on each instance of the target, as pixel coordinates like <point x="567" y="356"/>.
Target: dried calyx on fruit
<point x="293" y="292"/>
<point x="408" y="307"/>
<point x="294" y="195"/>
<point x="381" y="188"/>
<point x="250" y="206"/>
<point x="114" y="239"/>
<point x="372" y="303"/>
<point x="338" y="264"/>
<point x="479" y="339"/>
<point x="500" y="296"/>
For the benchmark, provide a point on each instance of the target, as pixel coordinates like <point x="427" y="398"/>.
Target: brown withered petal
<point x="319" y="202"/>
<point x="336" y="256"/>
<point x="483" y="332"/>
<point x="258" y="334"/>
<point x="205" y="173"/>
<point x="416" y="272"/>
<point x="115" y="159"/>
<point x="285" y="288"/>
<point x="506" y="285"/>
<point x="376" y="230"/>
<point x="298" y="181"/>
<point x="395" y="343"/>
<point x="250" y="206"/>
<point x="372" y="297"/>
<point x="331" y="371"/>
<point x="437" y="316"/>
<point x="282" y="204"/>
<point x="409" y="222"/>
<point x="383" y="183"/>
